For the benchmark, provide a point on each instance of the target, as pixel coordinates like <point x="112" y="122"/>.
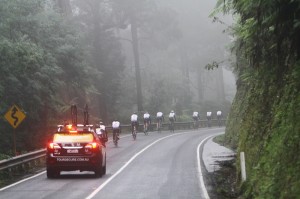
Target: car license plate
<point x="72" y="159"/>
<point x="72" y="151"/>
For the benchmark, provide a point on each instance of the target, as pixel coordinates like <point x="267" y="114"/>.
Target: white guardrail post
<point x="243" y="166"/>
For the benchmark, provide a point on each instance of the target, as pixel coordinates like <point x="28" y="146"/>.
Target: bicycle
<point x="172" y="126"/>
<point x="115" y="136"/>
<point x="134" y="131"/>
<point x="219" y="121"/>
<point x="146" y="127"/>
<point x="159" y="125"/>
<point x="208" y="122"/>
<point x="196" y="124"/>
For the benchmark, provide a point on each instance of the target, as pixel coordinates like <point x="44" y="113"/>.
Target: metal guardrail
<point x="33" y="156"/>
<point x="22" y="159"/>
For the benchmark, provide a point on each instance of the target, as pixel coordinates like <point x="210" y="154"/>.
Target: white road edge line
<point x="22" y="181"/>
<point x="202" y="185"/>
<point x="125" y="165"/>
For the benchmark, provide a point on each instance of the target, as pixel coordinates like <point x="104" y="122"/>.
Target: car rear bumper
<point x="67" y="163"/>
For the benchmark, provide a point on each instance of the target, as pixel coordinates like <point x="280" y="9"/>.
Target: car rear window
<point x="84" y="137"/>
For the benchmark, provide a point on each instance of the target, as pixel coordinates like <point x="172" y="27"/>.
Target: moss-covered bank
<point x="265" y="118"/>
<point x="265" y="124"/>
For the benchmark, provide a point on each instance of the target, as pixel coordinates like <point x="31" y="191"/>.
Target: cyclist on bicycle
<point x="172" y="116"/>
<point x="147" y="120"/>
<point x="196" y="116"/>
<point x="196" y="119"/>
<point x="208" y="116"/>
<point x="116" y="128"/>
<point x="134" y="120"/>
<point x="159" y="118"/>
<point x="101" y="132"/>
<point x="172" y="119"/>
<point x="219" y="116"/>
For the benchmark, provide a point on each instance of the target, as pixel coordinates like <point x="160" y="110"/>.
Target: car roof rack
<point x="74" y="125"/>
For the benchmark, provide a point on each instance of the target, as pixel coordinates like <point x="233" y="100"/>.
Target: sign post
<point x="14" y="116"/>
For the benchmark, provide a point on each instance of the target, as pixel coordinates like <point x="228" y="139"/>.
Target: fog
<point x="138" y="55"/>
<point x="177" y="55"/>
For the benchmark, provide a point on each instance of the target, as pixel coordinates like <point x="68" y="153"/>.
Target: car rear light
<point x="69" y="126"/>
<point x="92" y="145"/>
<point x="53" y="146"/>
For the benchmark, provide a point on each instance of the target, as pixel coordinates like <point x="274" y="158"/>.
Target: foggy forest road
<point x="160" y="165"/>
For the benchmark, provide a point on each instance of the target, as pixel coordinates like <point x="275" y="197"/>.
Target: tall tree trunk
<point x="97" y="56"/>
<point x="135" y="46"/>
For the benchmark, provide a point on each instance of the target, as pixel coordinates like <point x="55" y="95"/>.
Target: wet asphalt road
<point x="158" y="166"/>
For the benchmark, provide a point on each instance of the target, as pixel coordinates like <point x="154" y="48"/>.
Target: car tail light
<point x="69" y="126"/>
<point x="53" y="146"/>
<point x="92" y="145"/>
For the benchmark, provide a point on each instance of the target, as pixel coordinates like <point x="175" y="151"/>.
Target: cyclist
<point x="116" y="131"/>
<point x="219" y="116"/>
<point x="101" y="132"/>
<point x="208" y="116"/>
<point x="172" y="119"/>
<point x="134" y="121"/>
<point x="147" y="121"/>
<point x="196" y="119"/>
<point x="159" y="118"/>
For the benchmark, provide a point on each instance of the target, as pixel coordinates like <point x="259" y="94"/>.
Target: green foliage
<point x="41" y="59"/>
<point x="263" y="121"/>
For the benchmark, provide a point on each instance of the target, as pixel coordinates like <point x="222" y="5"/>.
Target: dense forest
<point x="265" y="114"/>
<point x="116" y="56"/>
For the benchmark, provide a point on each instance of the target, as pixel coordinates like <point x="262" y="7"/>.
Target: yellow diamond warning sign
<point x="15" y="116"/>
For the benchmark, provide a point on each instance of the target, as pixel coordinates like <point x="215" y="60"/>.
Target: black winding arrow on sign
<point x="14" y="111"/>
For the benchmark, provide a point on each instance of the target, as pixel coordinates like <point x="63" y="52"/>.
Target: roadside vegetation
<point x="265" y="114"/>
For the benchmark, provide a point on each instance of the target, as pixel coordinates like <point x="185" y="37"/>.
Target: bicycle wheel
<point x="146" y="129"/>
<point x="115" y="138"/>
<point x="172" y="126"/>
<point x="196" y="124"/>
<point x="134" y="133"/>
<point x="158" y="126"/>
